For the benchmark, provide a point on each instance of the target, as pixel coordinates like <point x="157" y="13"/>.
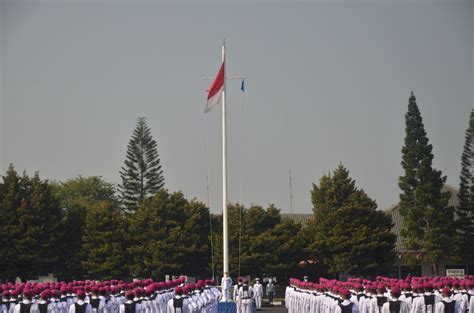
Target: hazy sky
<point x="327" y="83"/>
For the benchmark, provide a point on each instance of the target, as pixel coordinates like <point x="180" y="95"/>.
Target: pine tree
<point x="466" y="196"/>
<point x="348" y="234"/>
<point x="103" y="248"/>
<point x="142" y="175"/>
<point x="429" y="222"/>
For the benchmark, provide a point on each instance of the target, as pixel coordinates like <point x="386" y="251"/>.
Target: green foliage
<point x="466" y="196"/>
<point x="103" y="245"/>
<point x="347" y="234"/>
<point x="429" y="222"/>
<point x="279" y="250"/>
<point x="142" y="175"/>
<point x="76" y="196"/>
<point x="30" y="227"/>
<point x="197" y="240"/>
<point x="269" y="245"/>
<point x="169" y="235"/>
<point x="12" y="192"/>
<point x="82" y="191"/>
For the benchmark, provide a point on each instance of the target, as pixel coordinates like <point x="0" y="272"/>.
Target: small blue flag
<point x="242" y="87"/>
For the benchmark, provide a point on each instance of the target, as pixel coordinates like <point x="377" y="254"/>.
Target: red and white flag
<point x="215" y="91"/>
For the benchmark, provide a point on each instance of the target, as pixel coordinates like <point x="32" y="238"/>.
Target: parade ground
<point x="274" y="309"/>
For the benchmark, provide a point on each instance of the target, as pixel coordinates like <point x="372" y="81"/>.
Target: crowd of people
<point x="384" y="295"/>
<point x="114" y="296"/>
<point x="246" y="297"/>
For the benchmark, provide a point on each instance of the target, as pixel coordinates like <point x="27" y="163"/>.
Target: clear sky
<point x="327" y="83"/>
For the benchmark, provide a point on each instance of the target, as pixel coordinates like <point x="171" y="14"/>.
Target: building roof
<point x="398" y="225"/>
<point x="300" y="218"/>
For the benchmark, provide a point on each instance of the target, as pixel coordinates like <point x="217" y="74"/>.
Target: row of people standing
<point x="170" y="297"/>
<point x="339" y="297"/>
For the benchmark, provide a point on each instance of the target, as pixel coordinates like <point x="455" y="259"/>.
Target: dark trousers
<point x="270" y="297"/>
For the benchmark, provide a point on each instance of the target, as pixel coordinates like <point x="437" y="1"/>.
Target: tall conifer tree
<point x="347" y="233"/>
<point x="466" y="196"/>
<point x="429" y="222"/>
<point x="142" y="175"/>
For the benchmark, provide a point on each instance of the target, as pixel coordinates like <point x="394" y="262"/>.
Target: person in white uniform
<point x="346" y="306"/>
<point x="425" y="303"/>
<point x="26" y="305"/>
<point x="5" y="301"/>
<point x="394" y="305"/>
<point x="130" y="306"/>
<point x="226" y="284"/>
<point x="179" y="303"/>
<point x="258" y="290"/>
<point x="80" y="306"/>
<point x="447" y="303"/>
<point x="246" y="296"/>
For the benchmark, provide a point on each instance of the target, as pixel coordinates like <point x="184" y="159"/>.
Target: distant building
<point x="300" y="218"/>
<point x="401" y="268"/>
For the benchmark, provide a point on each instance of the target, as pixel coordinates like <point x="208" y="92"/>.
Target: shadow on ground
<point x="275" y="308"/>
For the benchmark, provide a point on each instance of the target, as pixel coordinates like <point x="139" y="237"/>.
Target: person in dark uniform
<point x="270" y="291"/>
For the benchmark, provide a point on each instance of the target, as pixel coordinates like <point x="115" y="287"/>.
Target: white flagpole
<point x="224" y="174"/>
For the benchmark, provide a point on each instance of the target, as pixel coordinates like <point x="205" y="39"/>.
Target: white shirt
<point x="33" y="309"/>
<point x="439" y="307"/>
<point x="246" y="294"/>
<point x="258" y="289"/>
<point x="138" y="307"/>
<point x="471" y="303"/>
<point x="418" y="305"/>
<point x="355" y="308"/>
<point x="403" y="307"/>
<point x="72" y="308"/>
<point x="226" y="282"/>
<point x="171" y="308"/>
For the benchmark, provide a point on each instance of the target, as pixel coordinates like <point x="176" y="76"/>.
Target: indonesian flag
<point x="215" y="91"/>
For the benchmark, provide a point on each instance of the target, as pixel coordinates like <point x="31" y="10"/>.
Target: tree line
<point x="78" y="229"/>
<point x="85" y="227"/>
